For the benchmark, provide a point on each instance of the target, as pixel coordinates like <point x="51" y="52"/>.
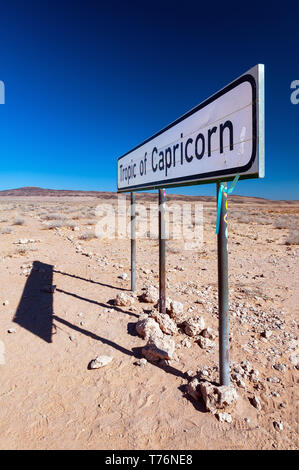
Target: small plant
<point x="87" y="236"/>
<point x="293" y="238"/>
<point x="18" y="222"/>
<point x="282" y="222"/>
<point x="55" y="224"/>
<point x="6" y="230"/>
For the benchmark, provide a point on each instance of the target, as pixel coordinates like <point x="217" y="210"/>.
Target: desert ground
<point x="58" y="283"/>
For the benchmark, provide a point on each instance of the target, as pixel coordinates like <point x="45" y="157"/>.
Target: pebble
<point x="278" y="426"/>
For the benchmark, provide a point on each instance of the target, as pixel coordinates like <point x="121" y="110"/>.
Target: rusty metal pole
<point x="133" y="241"/>
<point x="223" y="290"/>
<point x="162" y="252"/>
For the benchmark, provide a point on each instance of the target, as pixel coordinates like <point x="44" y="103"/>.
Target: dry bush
<point x="87" y="236"/>
<point x="262" y="220"/>
<point x="293" y="238"/>
<point x="7" y="230"/>
<point x="55" y="224"/>
<point x="52" y="216"/>
<point x="70" y="224"/>
<point x="18" y="221"/>
<point x="282" y="222"/>
<point x="76" y="216"/>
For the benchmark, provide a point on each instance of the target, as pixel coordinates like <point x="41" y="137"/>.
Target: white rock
<point x="176" y="310"/>
<point x="159" y="348"/>
<point x="216" y="397"/>
<point x="208" y="333"/>
<point x="141" y="362"/>
<point x="147" y="328"/>
<point x="224" y="417"/>
<point x="123" y="276"/>
<point x="193" y="326"/>
<point x="193" y="389"/>
<point x="166" y="323"/>
<point x="151" y="295"/>
<point x="278" y="426"/>
<point x="255" y="401"/>
<point x="123" y="300"/>
<point x="186" y="343"/>
<point x="100" y="361"/>
<point x="205" y="343"/>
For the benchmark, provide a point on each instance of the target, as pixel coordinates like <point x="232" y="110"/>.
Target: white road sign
<point x="218" y="139"/>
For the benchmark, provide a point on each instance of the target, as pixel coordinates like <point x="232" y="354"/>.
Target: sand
<point x="51" y="400"/>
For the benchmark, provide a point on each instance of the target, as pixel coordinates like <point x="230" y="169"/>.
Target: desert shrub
<point x="262" y="221"/>
<point x="55" y="224"/>
<point x="90" y="222"/>
<point x="7" y="230"/>
<point x="282" y="222"/>
<point x="293" y="238"/>
<point x="18" y="221"/>
<point x="52" y="216"/>
<point x="87" y="236"/>
<point x="70" y="224"/>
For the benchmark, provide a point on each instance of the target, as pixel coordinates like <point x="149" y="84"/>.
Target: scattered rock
<point x="193" y="326"/>
<point x="166" y="323"/>
<point x="224" y="417"/>
<point x="193" y="389"/>
<point x="278" y="426"/>
<point x="123" y="276"/>
<point x="176" y="311"/>
<point x="217" y="397"/>
<point x="208" y="333"/>
<point x="151" y="295"/>
<point x="147" y="328"/>
<point x="186" y="343"/>
<point x="266" y="334"/>
<point x="255" y="401"/>
<point x="123" y="300"/>
<point x="159" y="348"/>
<point x="280" y="367"/>
<point x="205" y="343"/>
<point x="11" y="330"/>
<point x="141" y="362"/>
<point x="294" y="358"/>
<point x="100" y="361"/>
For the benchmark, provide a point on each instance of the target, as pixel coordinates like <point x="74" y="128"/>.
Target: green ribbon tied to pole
<point x="228" y="191"/>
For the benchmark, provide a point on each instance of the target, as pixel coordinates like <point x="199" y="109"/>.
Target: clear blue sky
<point x="86" y="81"/>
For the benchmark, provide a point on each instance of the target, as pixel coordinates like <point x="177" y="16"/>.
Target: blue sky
<point x="86" y="82"/>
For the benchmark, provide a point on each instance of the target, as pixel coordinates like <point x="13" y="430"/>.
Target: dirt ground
<point x="51" y="400"/>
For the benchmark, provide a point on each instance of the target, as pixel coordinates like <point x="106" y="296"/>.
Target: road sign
<point x="218" y="139"/>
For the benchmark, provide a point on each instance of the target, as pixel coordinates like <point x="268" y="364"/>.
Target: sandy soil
<point x="51" y="400"/>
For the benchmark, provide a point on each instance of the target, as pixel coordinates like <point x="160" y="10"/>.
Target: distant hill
<point x="31" y="191"/>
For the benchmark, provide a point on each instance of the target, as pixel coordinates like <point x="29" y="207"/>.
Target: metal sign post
<point x="133" y="241"/>
<point x="220" y="139"/>
<point x="162" y="279"/>
<point x="223" y="290"/>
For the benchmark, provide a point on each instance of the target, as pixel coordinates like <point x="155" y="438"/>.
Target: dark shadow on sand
<point x="35" y="309"/>
<point x="91" y="281"/>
